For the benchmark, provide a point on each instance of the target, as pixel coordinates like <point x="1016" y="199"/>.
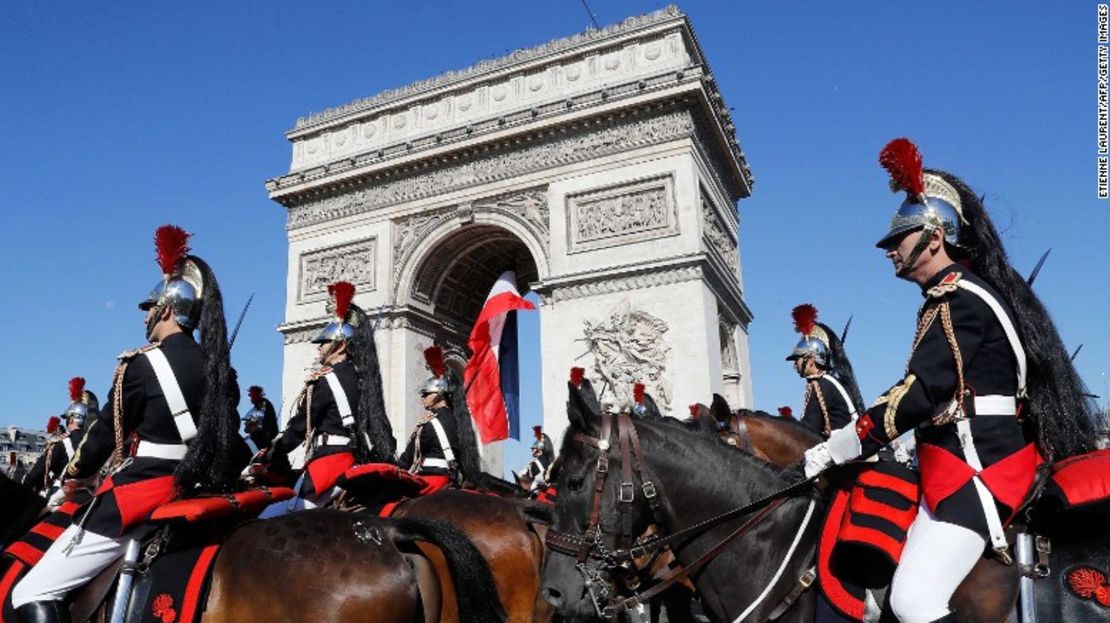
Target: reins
<point x="590" y="544"/>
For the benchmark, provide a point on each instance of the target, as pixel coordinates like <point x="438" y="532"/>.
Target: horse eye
<point x="575" y="484"/>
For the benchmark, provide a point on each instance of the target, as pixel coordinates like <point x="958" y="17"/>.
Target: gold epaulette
<point x="131" y="354"/>
<point x="946" y="285"/>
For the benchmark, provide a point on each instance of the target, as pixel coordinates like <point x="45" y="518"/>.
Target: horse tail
<point x="474" y="587"/>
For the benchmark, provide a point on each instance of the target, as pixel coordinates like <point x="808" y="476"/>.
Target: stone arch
<point x="479" y="242"/>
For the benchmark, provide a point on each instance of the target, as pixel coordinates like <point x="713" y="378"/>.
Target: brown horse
<point x="332" y="566"/>
<point x="507" y="533"/>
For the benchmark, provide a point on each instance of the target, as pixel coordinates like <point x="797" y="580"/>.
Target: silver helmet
<point x="254" y="417"/>
<point x="82" y="402"/>
<point x="435" y="385"/>
<point x="815" y="341"/>
<point x="342" y="327"/>
<point x="182" y="286"/>
<point x="931" y="202"/>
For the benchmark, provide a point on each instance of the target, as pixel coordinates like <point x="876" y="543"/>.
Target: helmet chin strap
<point x="918" y="249"/>
<point x="152" y="321"/>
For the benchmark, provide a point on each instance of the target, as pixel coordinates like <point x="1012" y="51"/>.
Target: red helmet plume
<point x="76" y="389"/>
<point x="255" y="394"/>
<point x="53" y="424"/>
<point x="342" y="292"/>
<point x="805" y="318"/>
<point x="576" y="376"/>
<point x="433" y="356"/>
<point x="786" y="411"/>
<point x="171" y="243"/>
<point x="537" y="431"/>
<point x="902" y="160"/>
<point x="638" y="393"/>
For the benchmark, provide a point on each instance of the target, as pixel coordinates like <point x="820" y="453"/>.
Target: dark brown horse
<point x="327" y="566"/>
<point x="333" y="566"/>
<point x="506" y="532"/>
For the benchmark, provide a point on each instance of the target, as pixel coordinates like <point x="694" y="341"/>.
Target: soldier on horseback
<point x="46" y="474"/>
<point x="340" y="414"/>
<point x="988" y="387"/>
<point x="260" y="423"/>
<point x="166" y="431"/>
<point x="535" y="476"/>
<point x="431" y="450"/>
<point x="832" y="399"/>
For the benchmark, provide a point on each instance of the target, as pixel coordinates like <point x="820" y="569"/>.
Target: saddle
<point x="377" y="486"/>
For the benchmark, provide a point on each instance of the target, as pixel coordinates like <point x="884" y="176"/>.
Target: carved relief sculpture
<point x="354" y="262"/>
<point x="628" y="348"/>
<point x="621" y="214"/>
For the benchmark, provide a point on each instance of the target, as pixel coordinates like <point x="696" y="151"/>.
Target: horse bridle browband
<point x="591" y="545"/>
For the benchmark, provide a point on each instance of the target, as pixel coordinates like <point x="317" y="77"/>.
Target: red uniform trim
<point x="326" y="470"/>
<point x="435" y="483"/>
<point x="68" y="508"/>
<point x="49" y="531"/>
<point x="8" y="581"/>
<point x="1010" y="479"/>
<point x="942" y="473"/>
<point x="831" y="586"/>
<point x="189" y="605"/>
<point x="387" y="510"/>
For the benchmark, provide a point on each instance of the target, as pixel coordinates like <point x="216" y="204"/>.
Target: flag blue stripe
<point x="510" y="374"/>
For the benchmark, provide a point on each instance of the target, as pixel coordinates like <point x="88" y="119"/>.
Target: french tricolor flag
<point x="491" y="373"/>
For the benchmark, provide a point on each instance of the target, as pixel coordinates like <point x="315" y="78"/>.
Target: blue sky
<point x="122" y="116"/>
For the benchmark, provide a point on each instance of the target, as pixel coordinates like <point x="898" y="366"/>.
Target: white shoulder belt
<point x="182" y="419"/>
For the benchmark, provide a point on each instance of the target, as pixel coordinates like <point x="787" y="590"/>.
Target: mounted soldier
<point x="832" y="398"/>
<point x="442" y="448"/>
<point x="340" y="413"/>
<point x="46" y="474"/>
<point x="989" y="388"/>
<point x="534" y="476"/>
<point x="166" y="431"/>
<point x="260" y="423"/>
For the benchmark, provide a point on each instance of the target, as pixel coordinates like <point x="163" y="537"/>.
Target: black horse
<point x="20" y="507"/>
<point x="693" y="480"/>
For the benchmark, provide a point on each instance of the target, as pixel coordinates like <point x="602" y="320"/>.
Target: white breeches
<point x="59" y="572"/>
<point x="937" y="557"/>
<point x="299" y="503"/>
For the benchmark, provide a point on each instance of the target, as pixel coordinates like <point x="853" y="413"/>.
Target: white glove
<point x="817" y="459"/>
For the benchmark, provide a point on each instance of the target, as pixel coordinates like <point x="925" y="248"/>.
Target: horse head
<point x="599" y="514"/>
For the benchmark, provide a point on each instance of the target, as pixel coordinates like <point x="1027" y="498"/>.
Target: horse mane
<point x="785" y="421"/>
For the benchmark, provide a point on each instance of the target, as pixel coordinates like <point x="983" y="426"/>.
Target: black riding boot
<point x="42" y="612"/>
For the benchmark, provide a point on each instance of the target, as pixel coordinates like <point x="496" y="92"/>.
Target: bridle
<point x="622" y="560"/>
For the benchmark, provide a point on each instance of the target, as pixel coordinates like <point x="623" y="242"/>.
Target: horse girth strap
<point x="685" y="571"/>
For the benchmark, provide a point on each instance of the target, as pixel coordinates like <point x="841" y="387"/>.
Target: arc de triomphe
<point x="602" y="167"/>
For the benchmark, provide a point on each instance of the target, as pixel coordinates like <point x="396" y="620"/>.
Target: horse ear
<point x="651" y="409"/>
<point x="720" y="409"/>
<point x="582" y="408"/>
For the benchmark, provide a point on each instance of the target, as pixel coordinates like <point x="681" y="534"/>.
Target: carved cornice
<point x="481" y="68"/>
<point x="635" y="278"/>
<point x="552" y="148"/>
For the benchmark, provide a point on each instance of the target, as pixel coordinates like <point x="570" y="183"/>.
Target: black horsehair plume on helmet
<point x="370" y="415"/>
<point x="841" y="368"/>
<point x="207" y="465"/>
<point x="1064" y="416"/>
